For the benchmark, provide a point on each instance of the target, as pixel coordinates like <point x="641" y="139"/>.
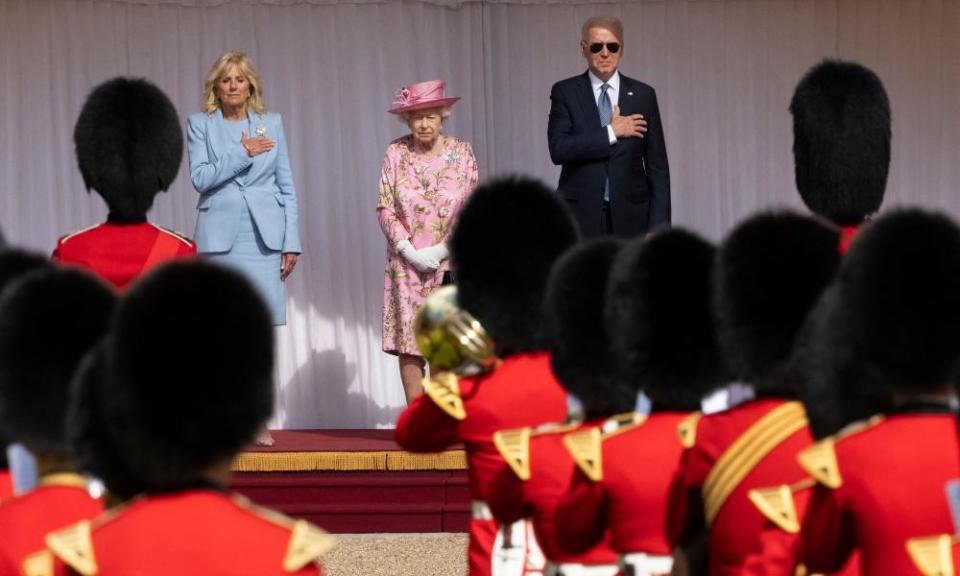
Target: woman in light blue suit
<point x="247" y="213"/>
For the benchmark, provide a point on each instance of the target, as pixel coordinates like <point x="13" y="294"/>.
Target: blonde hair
<point x="217" y="71"/>
<point x="611" y="23"/>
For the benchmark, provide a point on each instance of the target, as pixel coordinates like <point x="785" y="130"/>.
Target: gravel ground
<point x="397" y="555"/>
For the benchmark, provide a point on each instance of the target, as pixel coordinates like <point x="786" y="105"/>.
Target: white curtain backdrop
<point x="724" y="71"/>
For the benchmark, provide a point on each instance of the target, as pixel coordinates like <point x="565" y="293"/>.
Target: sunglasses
<point x="596" y="47"/>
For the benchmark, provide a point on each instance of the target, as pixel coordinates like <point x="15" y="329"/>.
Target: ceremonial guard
<point x="841" y="147"/>
<point x="895" y="325"/>
<point x="769" y="272"/>
<point x="177" y="425"/>
<point x="507" y="237"/>
<point x="541" y="465"/>
<point x="663" y="340"/>
<point x="13" y="263"/>
<point x="129" y="148"/>
<point x="49" y="319"/>
<point x="841" y="143"/>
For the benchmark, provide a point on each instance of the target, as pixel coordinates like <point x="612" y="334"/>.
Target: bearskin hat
<point x="574" y="329"/>
<point x="190" y="362"/>
<point x="898" y="310"/>
<point x="129" y="145"/>
<point x="49" y="319"/>
<point x="15" y="263"/>
<point x="89" y="435"/>
<point x="660" y="319"/>
<point x="841" y="141"/>
<point x="507" y="236"/>
<point x="768" y="274"/>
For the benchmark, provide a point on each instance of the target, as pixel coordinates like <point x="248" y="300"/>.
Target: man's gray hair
<point x="611" y="23"/>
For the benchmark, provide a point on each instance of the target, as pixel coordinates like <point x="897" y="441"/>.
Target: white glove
<point x="420" y="260"/>
<point x="438" y="251"/>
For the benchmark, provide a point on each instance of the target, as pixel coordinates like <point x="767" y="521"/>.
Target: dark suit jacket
<point x="637" y="167"/>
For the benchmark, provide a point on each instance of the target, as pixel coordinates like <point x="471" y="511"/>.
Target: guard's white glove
<point x="438" y="251"/>
<point x="420" y="260"/>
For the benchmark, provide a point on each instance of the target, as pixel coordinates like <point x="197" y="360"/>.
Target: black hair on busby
<point x="841" y="141"/>
<point x="575" y="332"/>
<point x="129" y="145"/>
<point x="15" y="263"/>
<point x="191" y="361"/>
<point x="660" y="319"/>
<point x="49" y="319"/>
<point x="507" y="236"/>
<point x="94" y="447"/>
<point x="768" y="274"/>
<point x="899" y="301"/>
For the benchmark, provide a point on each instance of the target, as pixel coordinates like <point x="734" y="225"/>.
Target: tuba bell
<point x="450" y="339"/>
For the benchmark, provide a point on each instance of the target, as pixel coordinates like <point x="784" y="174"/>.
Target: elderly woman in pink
<point x="425" y="178"/>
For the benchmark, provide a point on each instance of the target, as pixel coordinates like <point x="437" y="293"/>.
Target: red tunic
<point x="521" y="391"/>
<point x="118" y="253"/>
<point x="197" y="532"/>
<point x="59" y="500"/>
<point x="880" y="483"/>
<point x="6" y="485"/>
<point x="777" y="552"/>
<point x="639" y="463"/>
<point x="541" y="473"/>
<point x="737" y="523"/>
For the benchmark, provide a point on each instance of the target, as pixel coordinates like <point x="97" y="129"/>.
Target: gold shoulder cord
<point x="747" y="451"/>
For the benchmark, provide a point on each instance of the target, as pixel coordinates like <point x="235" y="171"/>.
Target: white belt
<point x="554" y="569"/>
<point x="480" y="510"/>
<point x="640" y="564"/>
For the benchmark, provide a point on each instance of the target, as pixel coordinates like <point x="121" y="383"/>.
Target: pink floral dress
<point x="419" y="198"/>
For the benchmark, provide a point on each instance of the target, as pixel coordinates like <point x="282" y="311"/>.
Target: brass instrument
<point x="450" y="339"/>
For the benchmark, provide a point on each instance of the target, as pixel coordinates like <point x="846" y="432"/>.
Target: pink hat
<point x="419" y="96"/>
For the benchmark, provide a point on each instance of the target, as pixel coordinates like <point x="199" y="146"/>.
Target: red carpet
<point x="356" y="481"/>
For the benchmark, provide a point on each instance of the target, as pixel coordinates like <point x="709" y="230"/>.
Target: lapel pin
<point x="629" y="93"/>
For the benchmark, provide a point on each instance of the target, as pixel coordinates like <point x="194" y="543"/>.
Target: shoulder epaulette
<point x="77" y="233"/>
<point x="820" y="461"/>
<point x="75" y="547"/>
<point x="307" y="544"/>
<point x="585" y="448"/>
<point x="932" y="555"/>
<point x="687" y="429"/>
<point x="181" y="237"/>
<point x="776" y="504"/>
<point x="514" y="447"/>
<point x="444" y="390"/>
<point x="38" y="564"/>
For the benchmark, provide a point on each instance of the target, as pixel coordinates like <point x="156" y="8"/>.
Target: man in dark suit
<point x="605" y="131"/>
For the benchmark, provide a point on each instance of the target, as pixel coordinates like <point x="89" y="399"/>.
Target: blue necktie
<point x="606" y="113"/>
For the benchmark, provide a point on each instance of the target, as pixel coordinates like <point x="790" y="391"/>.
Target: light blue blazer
<point x="225" y="176"/>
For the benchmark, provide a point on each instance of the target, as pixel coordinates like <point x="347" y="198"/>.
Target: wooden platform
<point x="356" y="481"/>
